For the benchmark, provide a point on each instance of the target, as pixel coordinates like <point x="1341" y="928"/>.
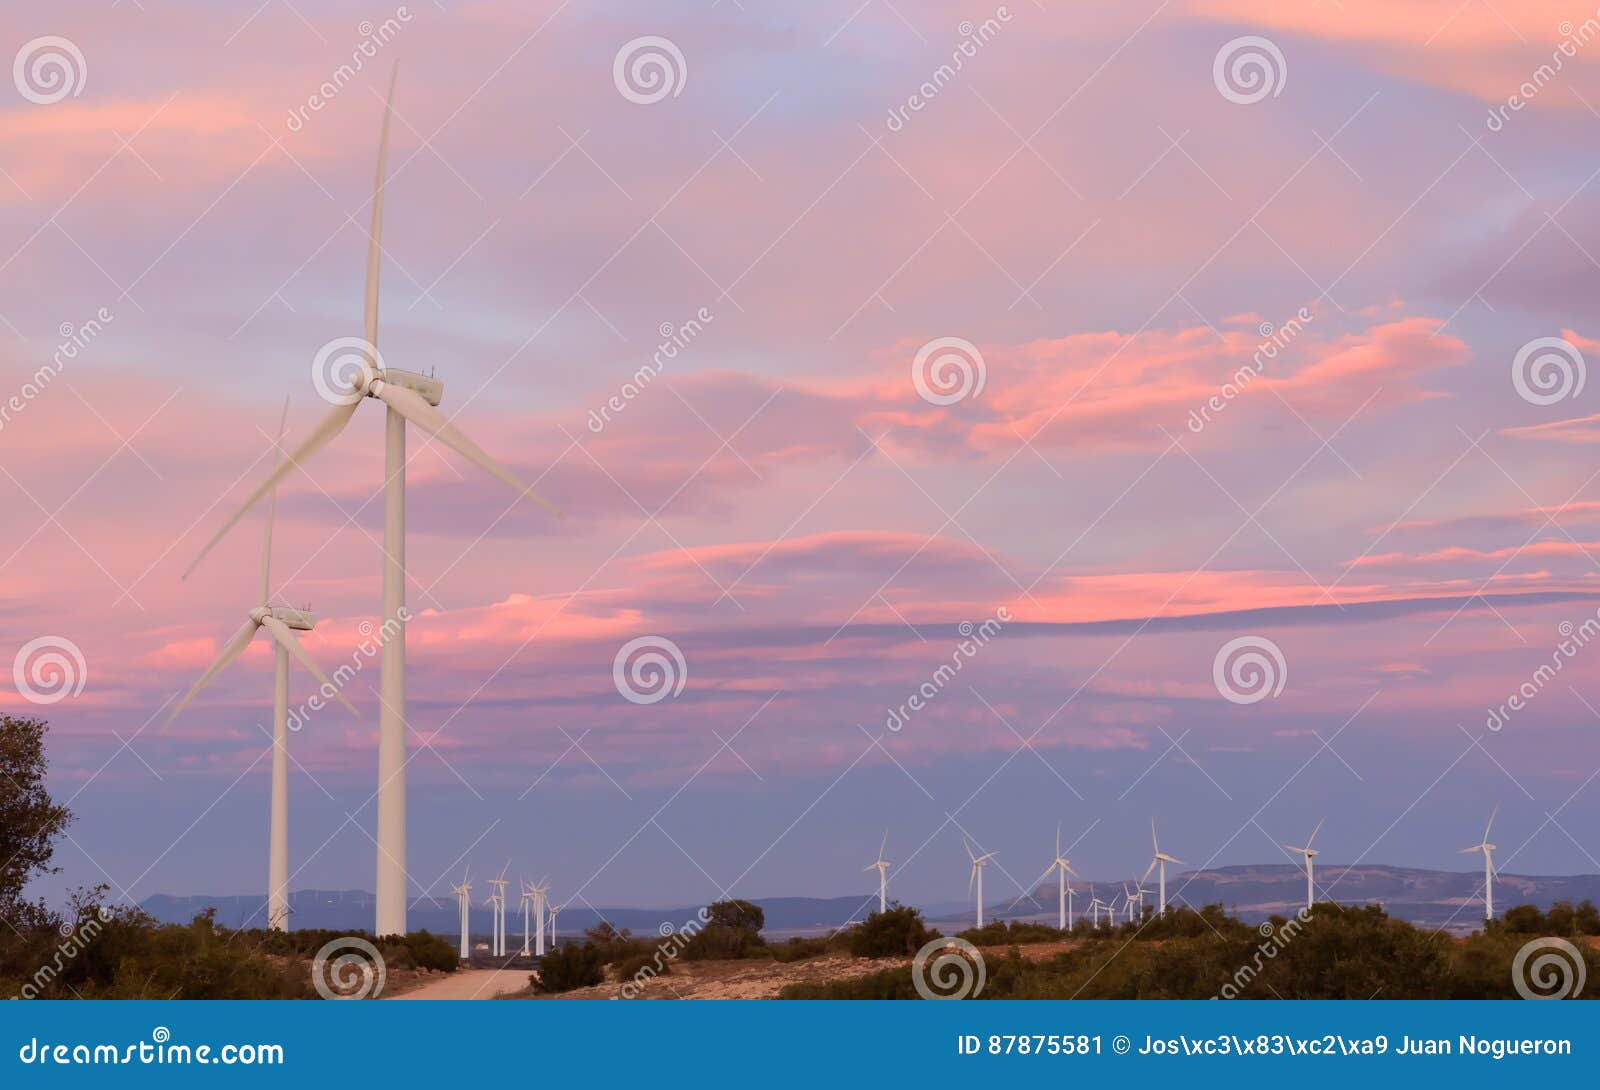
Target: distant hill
<point x="1429" y="898"/>
<point x="352" y="910"/>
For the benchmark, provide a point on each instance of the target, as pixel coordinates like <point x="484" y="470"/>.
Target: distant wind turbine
<point x="1311" y="853"/>
<point x="882" y="867"/>
<point x="1160" y="861"/>
<point x="1095" y="905"/>
<point x="541" y="901"/>
<point x="498" y="900"/>
<point x="463" y="894"/>
<point x="1488" y="865"/>
<point x="281" y="622"/>
<point x="529" y="900"/>
<point x="1063" y="892"/>
<point x="978" y="863"/>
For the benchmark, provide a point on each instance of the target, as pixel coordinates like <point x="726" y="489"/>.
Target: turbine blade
<point x="272" y="512"/>
<point x="1147" y="870"/>
<point x="1037" y="881"/>
<point x="1489" y="826"/>
<point x="1068" y="868"/>
<point x="1153" y="842"/>
<point x="375" y="236"/>
<point x="282" y="633"/>
<point x="884" y="844"/>
<point x="230" y="651"/>
<point x="320" y="436"/>
<point x="414" y="408"/>
<point x="1315" y="831"/>
<point x="965" y="843"/>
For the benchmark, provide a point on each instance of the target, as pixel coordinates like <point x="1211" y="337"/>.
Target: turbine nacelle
<point x="299" y="620"/>
<point x="372" y="380"/>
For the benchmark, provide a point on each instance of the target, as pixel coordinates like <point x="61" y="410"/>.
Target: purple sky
<point x="1098" y="214"/>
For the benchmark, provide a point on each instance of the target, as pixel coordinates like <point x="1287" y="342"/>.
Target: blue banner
<point x="699" y="1044"/>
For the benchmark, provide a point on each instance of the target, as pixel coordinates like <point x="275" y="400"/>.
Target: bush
<point x="1011" y="932"/>
<point x="738" y="915"/>
<point x="656" y="963"/>
<point x="799" y="949"/>
<point x="898" y="932"/>
<point x="572" y="966"/>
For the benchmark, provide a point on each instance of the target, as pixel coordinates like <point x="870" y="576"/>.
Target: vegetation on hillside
<point x="97" y="950"/>
<point x="1331" y="952"/>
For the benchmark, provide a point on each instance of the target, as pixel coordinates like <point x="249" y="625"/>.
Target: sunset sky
<point x="1399" y="504"/>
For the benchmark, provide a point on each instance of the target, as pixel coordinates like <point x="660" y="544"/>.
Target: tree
<point x="741" y="915"/>
<point x="30" y="820"/>
<point x="898" y="932"/>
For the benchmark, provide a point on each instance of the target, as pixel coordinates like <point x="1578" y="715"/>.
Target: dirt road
<point x="470" y="984"/>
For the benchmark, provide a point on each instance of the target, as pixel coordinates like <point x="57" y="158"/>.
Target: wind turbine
<point x="498" y="900"/>
<point x="552" y="910"/>
<point x="1310" y="853"/>
<point x="1063" y="891"/>
<point x="1488" y="865"/>
<point x="463" y="894"/>
<point x="882" y="867"/>
<point x="529" y="899"/>
<point x="1127" y="900"/>
<point x="541" y="899"/>
<point x="409" y="397"/>
<point x="281" y="622"/>
<point x="1161" y="859"/>
<point x="978" y="863"/>
<point x="1095" y="905"/>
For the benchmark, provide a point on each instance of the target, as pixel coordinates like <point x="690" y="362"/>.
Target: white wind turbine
<point x="978" y="863"/>
<point x="413" y="398"/>
<point x="1063" y="890"/>
<point x="1095" y="905"/>
<point x="541" y="901"/>
<point x="529" y="900"/>
<point x="281" y="623"/>
<point x="1488" y="865"/>
<point x="882" y="867"/>
<point x="463" y="894"/>
<point x="1160" y="860"/>
<point x="497" y="899"/>
<point x="552" y="911"/>
<point x="1310" y="853"/>
<point x="1128" y="900"/>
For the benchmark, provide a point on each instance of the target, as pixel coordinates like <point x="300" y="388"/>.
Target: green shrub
<point x="799" y="949"/>
<point x="898" y="932"/>
<point x="574" y="965"/>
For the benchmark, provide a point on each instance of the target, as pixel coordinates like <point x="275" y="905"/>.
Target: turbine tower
<point x="1095" y="905"/>
<point x="1063" y="890"/>
<point x="1160" y="860"/>
<point x="408" y="397"/>
<point x="552" y="911"/>
<point x="1310" y="853"/>
<point x="882" y="867"/>
<point x="498" y="900"/>
<point x="978" y="863"/>
<point x="463" y="894"/>
<point x="1488" y="865"/>
<point x="529" y="898"/>
<point x="281" y="622"/>
<point x="541" y="900"/>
